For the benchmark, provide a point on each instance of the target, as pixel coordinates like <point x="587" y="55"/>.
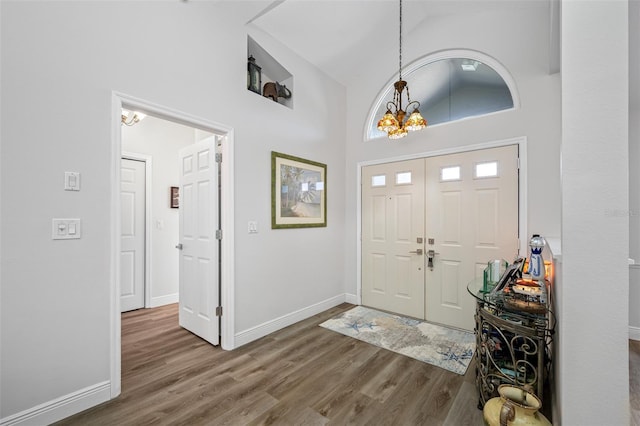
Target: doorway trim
<point x="148" y="205"/>
<point x="522" y="191"/>
<point x="227" y="282"/>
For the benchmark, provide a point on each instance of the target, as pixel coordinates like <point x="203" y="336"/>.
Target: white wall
<point x="594" y="287"/>
<point x="60" y="63"/>
<point x="519" y="39"/>
<point x="161" y="140"/>
<point x="634" y="170"/>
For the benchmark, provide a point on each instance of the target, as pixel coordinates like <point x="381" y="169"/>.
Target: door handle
<point x="418" y="251"/>
<point x="430" y="255"/>
<point x="179" y="246"/>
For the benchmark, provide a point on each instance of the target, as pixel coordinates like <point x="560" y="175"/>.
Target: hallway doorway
<point x="160" y="228"/>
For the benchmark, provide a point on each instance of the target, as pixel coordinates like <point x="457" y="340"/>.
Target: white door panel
<point x="472" y="220"/>
<point x="393" y="220"/>
<point x="199" y="246"/>
<point x="132" y="237"/>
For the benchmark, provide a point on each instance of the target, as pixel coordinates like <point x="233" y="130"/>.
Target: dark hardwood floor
<point x="303" y="374"/>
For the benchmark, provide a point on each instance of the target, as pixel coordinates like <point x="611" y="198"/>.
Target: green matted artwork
<point x="298" y="192"/>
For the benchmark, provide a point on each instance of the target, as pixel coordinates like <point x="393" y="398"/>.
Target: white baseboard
<point x="254" y="333"/>
<point x="634" y="333"/>
<point x="164" y="300"/>
<point x="351" y="298"/>
<point x="62" y="407"/>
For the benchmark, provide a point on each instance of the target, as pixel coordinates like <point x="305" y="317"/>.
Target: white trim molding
<point x="352" y="298"/>
<point x="62" y="407"/>
<point x="634" y="333"/>
<point x="261" y="330"/>
<point x="167" y="299"/>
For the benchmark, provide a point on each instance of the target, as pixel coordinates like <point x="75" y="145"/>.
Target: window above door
<point x="451" y="86"/>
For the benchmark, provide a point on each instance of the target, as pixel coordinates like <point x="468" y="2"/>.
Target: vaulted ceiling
<point x="339" y="35"/>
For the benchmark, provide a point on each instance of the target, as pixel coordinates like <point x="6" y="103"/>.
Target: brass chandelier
<point x="393" y="120"/>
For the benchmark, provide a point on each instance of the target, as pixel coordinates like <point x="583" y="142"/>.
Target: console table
<point x="513" y="343"/>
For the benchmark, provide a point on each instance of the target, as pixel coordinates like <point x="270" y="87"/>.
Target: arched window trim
<point x="385" y="93"/>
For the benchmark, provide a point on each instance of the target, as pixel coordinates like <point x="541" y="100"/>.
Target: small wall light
<point x="129" y="118"/>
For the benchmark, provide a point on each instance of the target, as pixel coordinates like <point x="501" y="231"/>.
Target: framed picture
<point x="298" y="192"/>
<point x="175" y="197"/>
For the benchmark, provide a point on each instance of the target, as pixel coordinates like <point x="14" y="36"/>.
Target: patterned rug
<point x="440" y="346"/>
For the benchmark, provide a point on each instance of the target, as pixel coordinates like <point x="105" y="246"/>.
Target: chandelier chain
<point x="400" y="50"/>
<point x="393" y="122"/>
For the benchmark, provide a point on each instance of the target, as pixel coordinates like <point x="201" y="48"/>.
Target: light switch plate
<point x="71" y="181"/>
<point x="66" y="229"/>
<point x="253" y="227"/>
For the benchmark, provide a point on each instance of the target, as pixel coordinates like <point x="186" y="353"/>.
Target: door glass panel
<point x="403" y="178"/>
<point x="450" y="173"/>
<point x="379" y="180"/>
<point x="486" y="170"/>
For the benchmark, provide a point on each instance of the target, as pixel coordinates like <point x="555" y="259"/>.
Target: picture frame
<point x="298" y="192"/>
<point x="174" y="199"/>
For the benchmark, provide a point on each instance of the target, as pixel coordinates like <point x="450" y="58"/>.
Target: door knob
<point x="418" y="251"/>
<point x="179" y="246"/>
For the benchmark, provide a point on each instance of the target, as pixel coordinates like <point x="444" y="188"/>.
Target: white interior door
<point x="472" y="217"/>
<point x="392" y="232"/>
<point x="198" y="215"/>
<point x="132" y="237"/>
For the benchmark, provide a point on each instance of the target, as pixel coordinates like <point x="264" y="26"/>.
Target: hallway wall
<point x="61" y="62"/>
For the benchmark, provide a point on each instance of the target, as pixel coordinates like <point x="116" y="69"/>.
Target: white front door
<point x="199" y="248"/>
<point x="132" y="237"/>
<point x="392" y="229"/>
<point x="461" y="207"/>
<point x="472" y="217"/>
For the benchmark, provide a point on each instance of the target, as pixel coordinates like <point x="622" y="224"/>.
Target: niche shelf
<point x="271" y="71"/>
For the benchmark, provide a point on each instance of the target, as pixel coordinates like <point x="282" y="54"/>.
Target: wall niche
<point x="264" y="71"/>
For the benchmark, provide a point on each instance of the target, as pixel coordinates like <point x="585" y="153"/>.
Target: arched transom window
<point x="451" y="86"/>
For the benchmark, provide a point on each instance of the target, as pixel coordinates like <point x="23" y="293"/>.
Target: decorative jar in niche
<point x="254" y="75"/>
<point x="514" y="406"/>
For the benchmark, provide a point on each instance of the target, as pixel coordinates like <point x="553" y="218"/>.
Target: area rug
<point x="443" y="347"/>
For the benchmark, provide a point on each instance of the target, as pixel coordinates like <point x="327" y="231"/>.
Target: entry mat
<point x="443" y="347"/>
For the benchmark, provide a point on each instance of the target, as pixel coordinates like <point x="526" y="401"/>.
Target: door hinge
<point x="218" y="234"/>
<point x="218" y="157"/>
<point x="218" y="311"/>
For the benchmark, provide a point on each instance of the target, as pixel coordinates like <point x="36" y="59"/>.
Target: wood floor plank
<point x="303" y="374"/>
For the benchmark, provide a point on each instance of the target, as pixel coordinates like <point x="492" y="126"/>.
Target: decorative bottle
<point x="536" y="264"/>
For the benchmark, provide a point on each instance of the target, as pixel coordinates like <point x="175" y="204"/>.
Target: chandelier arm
<point x="416" y="103"/>
<point x="391" y="106"/>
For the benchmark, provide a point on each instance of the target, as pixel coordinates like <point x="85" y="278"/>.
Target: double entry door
<point x="429" y="227"/>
